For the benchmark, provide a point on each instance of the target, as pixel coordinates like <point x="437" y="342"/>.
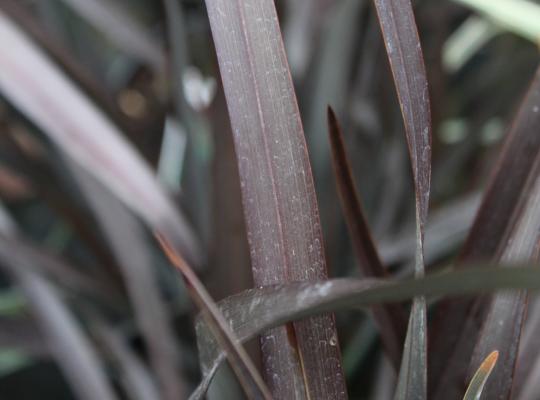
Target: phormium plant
<point x="93" y="100"/>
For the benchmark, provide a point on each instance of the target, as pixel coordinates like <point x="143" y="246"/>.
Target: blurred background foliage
<point x="151" y="67"/>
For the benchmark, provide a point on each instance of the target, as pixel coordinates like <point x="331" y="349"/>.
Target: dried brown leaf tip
<point x="474" y="391"/>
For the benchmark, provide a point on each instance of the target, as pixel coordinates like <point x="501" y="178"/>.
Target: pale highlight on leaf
<point x="474" y="391"/>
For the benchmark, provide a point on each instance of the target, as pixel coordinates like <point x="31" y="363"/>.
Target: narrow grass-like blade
<point x="53" y="103"/>
<point x="246" y="372"/>
<point x="68" y="343"/>
<point x="507" y="181"/>
<point x="256" y="310"/>
<point x="458" y="323"/>
<point x="527" y="374"/>
<point x="128" y="242"/>
<point x="391" y="319"/>
<point x="404" y="51"/>
<point x="506" y="313"/>
<point x="126" y="33"/>
<point x="474" y="391"/>
<point x="407" y="63"/>
<point x="40" y="168"/>
<point x="135" y="376"/>
<point x="79" y="72"/>
<point x="300" y="360"/>
<point x="55" y="268"/>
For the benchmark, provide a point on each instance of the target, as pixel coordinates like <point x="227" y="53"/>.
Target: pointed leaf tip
<point x="474" y="391"/>
<point x="391" y="319"/>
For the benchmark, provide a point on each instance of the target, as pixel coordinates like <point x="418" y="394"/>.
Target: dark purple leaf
<point x="246" y="372"/>
<point x="127" y="239"/>
<point x="504" y="321"/>
<point x="256" y="310"/>
<point x="512" y="235"/>
<point x="135" y="376"/>
<point x="404" y="51"/>
<point x="278" y="193"/>
<point x="67" y="341"/>
<point x="55" y="268"/>
<point x="391" y="319"/>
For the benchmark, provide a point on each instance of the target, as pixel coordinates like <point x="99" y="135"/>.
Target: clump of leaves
<point x="120" y="325"/>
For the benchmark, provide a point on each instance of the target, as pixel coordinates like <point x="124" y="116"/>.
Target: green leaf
<point x="518" y="16"/>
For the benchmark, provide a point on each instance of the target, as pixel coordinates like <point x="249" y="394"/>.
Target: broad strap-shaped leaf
<point x="391" y="319"/>
<point x="284" y="233"/>
<point x="459" y="321"/>
<point x="505" y="318"/>
<point x="404" y="51"/>
<point x="256" y="310"/>
<point x="474" y="391"/>
<point x="526" y="384"/>
<point x="36" y="29"/>
<point x="521" y="149"/>
<point x="407" y="63"/>
<point x="527" y="374"/>
<point x="239" y="360"/>
<point x="54" y="104"/>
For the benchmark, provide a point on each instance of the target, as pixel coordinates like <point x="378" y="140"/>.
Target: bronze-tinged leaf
<point x="390" y="319"/>
<point x="300" y="360"/>
<point x="404" y="51"/>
